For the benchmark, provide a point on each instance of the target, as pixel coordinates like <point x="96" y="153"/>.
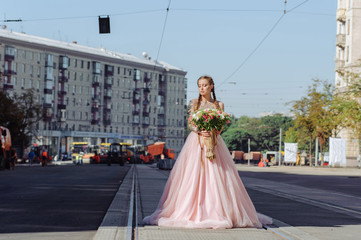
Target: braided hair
<point x="211" y="82"/>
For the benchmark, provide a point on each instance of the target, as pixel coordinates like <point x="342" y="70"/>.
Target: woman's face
<point x="204" y="87"/>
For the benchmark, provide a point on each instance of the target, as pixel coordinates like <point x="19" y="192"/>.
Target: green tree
<point x="262" y="132"/>
<point x="320" y="114"/>
<point x="20" y="113"/>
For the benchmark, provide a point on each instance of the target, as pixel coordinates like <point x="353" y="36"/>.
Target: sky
<point x="260" y="58"/>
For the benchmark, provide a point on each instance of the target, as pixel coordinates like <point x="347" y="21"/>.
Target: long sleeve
<point x="190" y="113"/>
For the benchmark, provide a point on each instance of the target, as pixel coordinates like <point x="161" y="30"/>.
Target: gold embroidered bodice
<point x="202" y="105"/>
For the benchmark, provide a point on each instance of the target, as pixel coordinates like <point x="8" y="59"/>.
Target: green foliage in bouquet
<point x="209" y="119"/>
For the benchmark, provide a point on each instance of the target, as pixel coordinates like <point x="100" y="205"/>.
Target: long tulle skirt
<point x="205" y="195"/>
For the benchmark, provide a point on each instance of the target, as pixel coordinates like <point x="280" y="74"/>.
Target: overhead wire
<point x="163" y="30"/>
<point x="262" y="41"/>
<point x="79" y="17"/>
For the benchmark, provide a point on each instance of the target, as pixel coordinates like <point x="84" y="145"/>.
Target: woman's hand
<point x="205" y="133"/>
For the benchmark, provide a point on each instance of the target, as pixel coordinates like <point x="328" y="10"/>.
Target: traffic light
<point x="104" y="24"/>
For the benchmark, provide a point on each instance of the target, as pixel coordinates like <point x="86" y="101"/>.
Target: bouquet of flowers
<point x="211" y="120"/>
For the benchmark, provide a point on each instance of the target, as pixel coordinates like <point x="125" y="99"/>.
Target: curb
<point x="114" y="224"/>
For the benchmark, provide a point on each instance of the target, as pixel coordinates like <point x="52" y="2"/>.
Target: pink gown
<point x="209" y="195"/>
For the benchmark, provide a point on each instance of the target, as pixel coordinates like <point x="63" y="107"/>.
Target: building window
<point x="31" y="55"/>
<point x="24" y="54"/>
<point x="23" y="68"/>
<point x="39" y="57"/>
<point x="81" y="76"/>
<point x="31" y="70"/>
<point x="75" y="63"/>
<point x="22" y="82"/>
<point x="348" y="26"/>
<point x="30" y="83"/>
<point x="39" y="70"/>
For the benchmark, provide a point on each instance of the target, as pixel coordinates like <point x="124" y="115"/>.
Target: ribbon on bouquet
<point x="210" y="143"/>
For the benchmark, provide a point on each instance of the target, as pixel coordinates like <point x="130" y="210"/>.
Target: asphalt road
<point x="57" y="198"/>
<point x="315" y="201"/>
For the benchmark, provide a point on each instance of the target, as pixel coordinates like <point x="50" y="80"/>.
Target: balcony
<point x="62" y="92"/>
<point x="108" y="85"/>
<point x="46" y="105"/>
<point x="109" y="70"/>
<point x="135" y="101"/>
<point x="9" y="57"/>
<point x="135" y="112"/>
<point x="48" y="91"/>
<point x="107" y="94"/>
<point x="106" y="122"/>
<point x="8" y="86"/>
<point x="147" y="90"/>
<point x="146" y="79"/>
<point x="145" y="114"/>
<point x="341" y="15"/>
<point x="61" y="106"/>
<point x="94" y="109"/>
<point x="9" y="72"/>
<point x="136" y="90"/>
<point x="94" y="121"/>
<point x="63" y="79"/>
<point x="339" y="66"/>
<point x="341" y="40"/>
<point x="161" y="93"/>
<point x="46" y="118"/>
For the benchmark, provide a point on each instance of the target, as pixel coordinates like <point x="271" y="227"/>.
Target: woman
<point x="208" y="194"/>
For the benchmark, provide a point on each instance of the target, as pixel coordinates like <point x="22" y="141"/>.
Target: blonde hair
<point x="211" y="82"/>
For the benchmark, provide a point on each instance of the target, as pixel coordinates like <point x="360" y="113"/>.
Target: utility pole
<point x="249" y="151"/>
<point x="316" y="152"/>
<point x="280" y="149"/>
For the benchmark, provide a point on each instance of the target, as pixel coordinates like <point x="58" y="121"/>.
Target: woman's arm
<point x="190" y="113"/>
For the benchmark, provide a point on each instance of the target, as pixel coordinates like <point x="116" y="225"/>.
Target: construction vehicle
<point x="154" y="151"/>
<point x="5" y="145"/>
<point x="115" y="154"/>
<point x="77" y="147"/>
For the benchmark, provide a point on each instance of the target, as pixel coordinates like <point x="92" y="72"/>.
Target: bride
<point x="208" y="194"/>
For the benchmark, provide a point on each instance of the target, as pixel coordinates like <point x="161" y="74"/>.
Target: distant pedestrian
<point x="96" y="157"/>
<point x="44" y="158"/>
<point x="31" y="156"/>
<point x="13" y="158"/>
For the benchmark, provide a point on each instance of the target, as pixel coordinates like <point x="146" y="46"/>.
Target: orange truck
<point x="156" y="150"/>
<point x="5" y="145"/>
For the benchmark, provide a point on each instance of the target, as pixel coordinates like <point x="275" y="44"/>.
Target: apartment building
<point x="347" y="61"/>
<point x="95" y="95"/>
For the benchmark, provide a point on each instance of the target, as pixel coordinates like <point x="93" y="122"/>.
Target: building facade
<point x="94" y="95"/>
<point x="347" y="61"/>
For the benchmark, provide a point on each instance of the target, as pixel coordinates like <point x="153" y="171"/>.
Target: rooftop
<point x="83" y="49"/>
